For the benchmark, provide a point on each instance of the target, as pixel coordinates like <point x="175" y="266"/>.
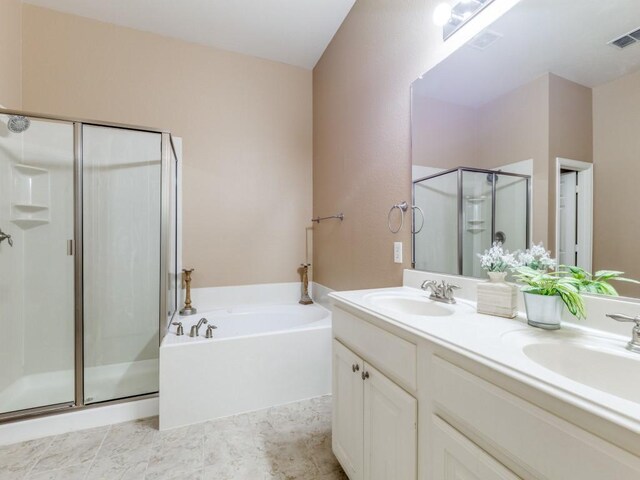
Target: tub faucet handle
<point x="209" y="332"/>
<point x="180" y="329"/>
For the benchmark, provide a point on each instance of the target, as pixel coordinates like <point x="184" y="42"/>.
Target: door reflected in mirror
<point x="548" y="100"/>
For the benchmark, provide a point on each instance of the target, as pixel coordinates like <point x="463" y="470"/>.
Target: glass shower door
<point x="36" y="263"/>
<point x="438" y="239"/>
<point x="477" y="219"/>
<point x="121" y="248"/>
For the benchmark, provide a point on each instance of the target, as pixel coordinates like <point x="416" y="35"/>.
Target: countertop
<point x="498" y="343"/>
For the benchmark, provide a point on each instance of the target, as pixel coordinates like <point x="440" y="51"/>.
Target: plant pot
<point x="497" y="297"/>
<point x="544" y="311"/>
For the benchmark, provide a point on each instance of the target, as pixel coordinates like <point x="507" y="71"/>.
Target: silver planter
<point x="544" y="311"/>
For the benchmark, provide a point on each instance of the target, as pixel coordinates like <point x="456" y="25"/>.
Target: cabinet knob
<point x="355" y="367"/>
<point x="365" y="375"/>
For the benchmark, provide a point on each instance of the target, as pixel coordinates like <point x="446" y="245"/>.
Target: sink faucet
<point x="634" y="344"/>
<point x="440" y="292"/>
<point x="195" y="329"/>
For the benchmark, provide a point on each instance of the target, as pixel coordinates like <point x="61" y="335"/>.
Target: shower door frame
<point x="460" y="217"/>
<point x="166" y="148"/>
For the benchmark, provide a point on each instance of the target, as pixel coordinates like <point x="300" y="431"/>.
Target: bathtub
<point x="260" y="356"/>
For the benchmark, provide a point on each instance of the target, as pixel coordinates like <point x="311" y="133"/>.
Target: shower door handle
<point x="7" y="237"/>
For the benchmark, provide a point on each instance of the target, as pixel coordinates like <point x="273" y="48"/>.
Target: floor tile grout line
<point x="95" y="455"/>
<point x="151" y="450"/>
<point x="44" y="450"/>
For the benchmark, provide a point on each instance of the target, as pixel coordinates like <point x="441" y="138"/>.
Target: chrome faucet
<point x="634" y="343"/>
<point x="440" y="292"/>
<point x="195" y="329"/>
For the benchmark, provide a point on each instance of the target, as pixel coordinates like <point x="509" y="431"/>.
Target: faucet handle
<point x="428" y="283"/>
<point x="634" y="344"/>
<point x="624" y="318"/>
<point x="180" y="329"/>
<point x="448" y="292"/>
<point x="209" y="332"/>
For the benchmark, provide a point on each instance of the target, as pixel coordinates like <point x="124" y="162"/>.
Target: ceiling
<point x="295" y="32"/>
<point x="566" y="37"/>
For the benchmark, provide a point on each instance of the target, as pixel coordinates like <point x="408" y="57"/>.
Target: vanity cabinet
<point x="374" y="421"/>
<point x="455" y="457"/>
<point x="475" y="422"/>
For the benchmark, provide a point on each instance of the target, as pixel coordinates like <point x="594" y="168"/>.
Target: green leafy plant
<point x="598" y="282"/>
<point x="569" y="283"/>
<point x="566" y="286"/>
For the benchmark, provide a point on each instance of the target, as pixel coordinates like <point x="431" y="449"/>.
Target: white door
<point x="390" y="429"/>
<point x="568" y="218"/>
<point x="347" y="410"/>
<point x="457" y="458"/>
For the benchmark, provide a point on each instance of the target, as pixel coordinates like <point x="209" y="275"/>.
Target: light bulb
<point x="442" y="14"/>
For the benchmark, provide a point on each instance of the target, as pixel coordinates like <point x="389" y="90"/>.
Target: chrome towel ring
<point x="414" y="208"/>
<point x="403" y="207"/>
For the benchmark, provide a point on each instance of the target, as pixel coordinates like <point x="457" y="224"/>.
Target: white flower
<point x="496" y="259"/>
<point x="537" y="258"/>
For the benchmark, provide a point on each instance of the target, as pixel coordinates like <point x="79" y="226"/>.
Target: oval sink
<point x="608" y="372"/>
<point x="411" y="305"/>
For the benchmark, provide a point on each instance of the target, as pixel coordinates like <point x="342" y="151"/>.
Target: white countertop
<point x="498" y="343"/>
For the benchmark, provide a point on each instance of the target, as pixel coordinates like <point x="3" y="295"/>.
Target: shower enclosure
<point x="466" y="210"/>
<point x="87" y="261"/>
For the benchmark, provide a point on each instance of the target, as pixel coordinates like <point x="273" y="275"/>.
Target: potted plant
<point x="497" y="297"/>
<point x="547" y="293"/>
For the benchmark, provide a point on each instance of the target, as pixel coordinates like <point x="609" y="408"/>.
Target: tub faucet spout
<point x="195" y="329"/>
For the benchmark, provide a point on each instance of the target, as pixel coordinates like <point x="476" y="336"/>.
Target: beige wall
<point x="362" y="147"/>
<point x="570" y="134"/>
<point x="616" y="114"/>
<point x="443" y="135"/>
<point x="245" y="123"/>
<point x="513" y="128"/>
<point x="10" y="53"/>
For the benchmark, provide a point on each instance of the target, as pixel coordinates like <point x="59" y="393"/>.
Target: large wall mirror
<point x="531" y="133"/>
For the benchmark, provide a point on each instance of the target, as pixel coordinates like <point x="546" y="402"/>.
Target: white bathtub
<point x="260" y="356"/>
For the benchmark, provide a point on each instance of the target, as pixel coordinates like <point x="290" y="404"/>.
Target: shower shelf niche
<point x="30" y="195"/>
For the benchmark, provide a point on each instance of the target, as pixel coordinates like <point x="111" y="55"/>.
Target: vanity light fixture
<point x="452" y="18"/>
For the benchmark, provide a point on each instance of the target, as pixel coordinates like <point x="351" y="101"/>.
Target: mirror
<point x="531" y="133"/>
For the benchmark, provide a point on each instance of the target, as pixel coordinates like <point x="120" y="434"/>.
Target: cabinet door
<point x="455" y="457"/>
<point x="347" y="410"/>
<point x="390" y="430"/>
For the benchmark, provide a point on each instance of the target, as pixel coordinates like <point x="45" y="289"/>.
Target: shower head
<point x="490" y="177"/>
<point x="18" y="123"/>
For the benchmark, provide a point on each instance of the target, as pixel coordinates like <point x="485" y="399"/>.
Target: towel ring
<point x="403" y="208"/>
<point x="414" y="208"/>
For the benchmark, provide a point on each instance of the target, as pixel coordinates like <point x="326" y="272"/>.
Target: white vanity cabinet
<point x="374" y="419"/>
<point x="455" y="457"/>
<point x="475" y="423"/>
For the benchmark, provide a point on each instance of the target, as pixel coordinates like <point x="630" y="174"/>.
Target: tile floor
<point x="287" y="442"/>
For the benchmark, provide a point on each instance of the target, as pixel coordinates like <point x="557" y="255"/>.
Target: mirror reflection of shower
<point x="466" y="209"/>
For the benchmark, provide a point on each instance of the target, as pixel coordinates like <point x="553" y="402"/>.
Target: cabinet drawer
<point x="456" y="457"/>
<point x="391" y="354"/>
<point x="531" y="441"/>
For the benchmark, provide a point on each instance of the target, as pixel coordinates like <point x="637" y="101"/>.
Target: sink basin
<point x="411" y="305"/>
<point x="607" y="371"/>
